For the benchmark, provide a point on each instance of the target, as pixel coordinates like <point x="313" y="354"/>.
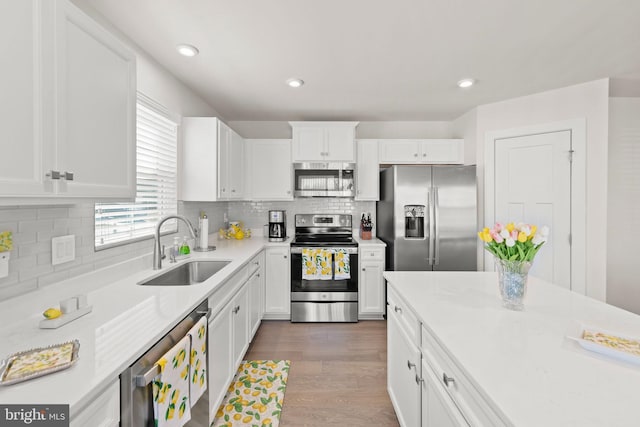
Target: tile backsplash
<point x="33" y="227"/>
<point x="256" y="214"/>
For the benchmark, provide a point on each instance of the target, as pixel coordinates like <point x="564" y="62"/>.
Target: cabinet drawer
<point x="371" y="253"/>
<point x="407" y="319"/>
<point x="103" y="411"/>
<point x="474" y="407"/>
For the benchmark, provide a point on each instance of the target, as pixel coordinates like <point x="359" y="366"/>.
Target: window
<point x="156" y="182"/>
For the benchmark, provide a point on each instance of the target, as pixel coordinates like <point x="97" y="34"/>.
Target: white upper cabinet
<point x="269" y="170"/>
<point x="231" y="164"/>
<point x="323" y="141"/>
<point x="212" y="161"/>
<point x="421" y="151"/>
<point x="69" y="116"/>
<point x="367" y="170"/>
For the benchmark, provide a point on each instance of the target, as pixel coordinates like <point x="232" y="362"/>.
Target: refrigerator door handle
<point x="431" y="227"/>
<point x="436" y="209"/>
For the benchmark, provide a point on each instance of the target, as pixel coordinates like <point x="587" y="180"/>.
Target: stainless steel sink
<point x="187" y="274"/>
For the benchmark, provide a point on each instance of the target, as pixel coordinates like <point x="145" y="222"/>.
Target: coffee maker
<point x="277" y="226"/>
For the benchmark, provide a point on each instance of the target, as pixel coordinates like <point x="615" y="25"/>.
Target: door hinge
<point x="571" y="156"/>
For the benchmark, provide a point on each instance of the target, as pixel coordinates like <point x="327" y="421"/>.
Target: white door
<point x="340" y="143"/>
<point x="240" y="325"/>
<point x="371" y="298"/>
<point x="533" y="185"/>
<point x="235" y="169"/>
<point x="399" y="151"/>
<point x="367" y="170"/>
<point x="308" y="144"/>
<point x="219" y="358"/>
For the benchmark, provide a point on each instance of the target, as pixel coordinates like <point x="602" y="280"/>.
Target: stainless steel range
<point x="324" y="269"/>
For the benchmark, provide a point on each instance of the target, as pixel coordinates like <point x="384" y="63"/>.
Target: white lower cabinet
<point x="438" y="410"/>
<point x="219" y="358"/>
<point x="278" y="284"/>
<point x="256" y="298"/>
<point x="403" y="366"/>
<point x="103" y="411"/>
<point x="371" y="301"/>
<point x="240" y="325"/>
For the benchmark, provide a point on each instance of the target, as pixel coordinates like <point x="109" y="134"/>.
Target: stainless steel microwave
<point x="323" y="179"/>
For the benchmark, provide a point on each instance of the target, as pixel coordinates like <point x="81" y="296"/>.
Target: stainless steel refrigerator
<point x="427" y="216"/>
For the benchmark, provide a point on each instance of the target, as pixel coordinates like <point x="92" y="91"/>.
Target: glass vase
<point x="512" y="280"/>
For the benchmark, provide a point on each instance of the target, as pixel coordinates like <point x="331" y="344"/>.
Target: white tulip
<point x="505" y="233"/>
<point x="526" y="229"/>
<point x="544" y="231"/>
<point x="510" y="242"/>
<point x="538" y="239"/>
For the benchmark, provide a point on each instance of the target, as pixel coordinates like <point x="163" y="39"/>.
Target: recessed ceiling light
<point x="187" y="50"/>
<point x="466" y="83"/>
<point x="295" y="82"/>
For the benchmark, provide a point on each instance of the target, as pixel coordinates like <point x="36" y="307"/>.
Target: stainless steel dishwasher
<point x="136" y="401"/>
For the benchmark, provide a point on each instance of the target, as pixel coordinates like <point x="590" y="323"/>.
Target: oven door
<point x="345" y="289"/>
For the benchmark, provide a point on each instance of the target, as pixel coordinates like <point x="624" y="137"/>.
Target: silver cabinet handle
<point x="415" y="155"/>
<point x="424" y="154"/>
<point x="53" y="174"/>
<point x="419" y="380"/>
<point x="258" y="275"/>
<point x="288" y="191"/>
<point x="410" y="365"/>
<point x="67" y="175"/>
<point x="233" y="191"/>
<point x="397" y="309"/>
<point x="285" y="256"/>
<point x="447" y="380"/>
<point x="364" y="269"/>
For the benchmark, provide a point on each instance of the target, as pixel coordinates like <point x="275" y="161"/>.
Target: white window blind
<point x="156" y="182"/>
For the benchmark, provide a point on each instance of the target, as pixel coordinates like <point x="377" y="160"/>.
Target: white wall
<point x="365" y="130"/>
<point x="623" y="216"/>
<point x="589" y="101"/>
<point x="466" y="127"/>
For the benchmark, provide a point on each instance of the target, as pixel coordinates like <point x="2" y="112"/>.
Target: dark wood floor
<point x="338" y="373"/>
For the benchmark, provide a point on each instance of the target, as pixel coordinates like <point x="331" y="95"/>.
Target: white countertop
<point x="522" y="361"/>
<point x="126" y="320"/>
<point x="371" y="242"/>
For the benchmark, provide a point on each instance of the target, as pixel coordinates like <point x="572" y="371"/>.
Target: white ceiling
<point x="379" y="59"/>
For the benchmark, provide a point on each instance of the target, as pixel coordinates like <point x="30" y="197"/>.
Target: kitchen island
<point x="477" y="363"/>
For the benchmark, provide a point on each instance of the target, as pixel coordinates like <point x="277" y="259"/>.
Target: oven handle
<point x="298" y="250"/>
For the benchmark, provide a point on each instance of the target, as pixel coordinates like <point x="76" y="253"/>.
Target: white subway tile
<point x="35" y="225"/>
<point x="52" y="213"/>
<point x="34" y="272"/>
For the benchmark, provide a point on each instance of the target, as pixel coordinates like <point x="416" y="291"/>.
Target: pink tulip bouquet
<point x="514" y="242"/>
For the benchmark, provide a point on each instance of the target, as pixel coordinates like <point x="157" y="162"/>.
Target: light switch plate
<point x="63" y="249"/>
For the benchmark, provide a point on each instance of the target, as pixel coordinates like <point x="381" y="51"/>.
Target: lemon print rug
<point x="255" y="396"/>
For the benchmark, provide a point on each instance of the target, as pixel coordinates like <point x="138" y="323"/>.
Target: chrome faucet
<point x="157" y="257"/>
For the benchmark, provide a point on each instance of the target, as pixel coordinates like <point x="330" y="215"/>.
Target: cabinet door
<point x="367" y="170"/>
<point x="309" y="144"/>
<point x="371" y="293"/>
<point x="224" y="148"/>
<point x="269" y="170"/>
<point x="278" y="285"/>
<point x="103" y="411"/>
<point x="219" y="358"/>
<point x="403" y="366"/>
<point x="448" y="151"/>
<point x="240" y="325"/>
<point x="339" y="143"/>
<point x="399" y="151"/>
<point x="21" y="145"/>
<point x="235" y="166"/>
<point x="95" y="118"/>
<point x="255" y="301"/>
<point x="438" y="410"/>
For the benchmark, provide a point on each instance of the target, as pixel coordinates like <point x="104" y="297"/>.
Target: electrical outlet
<point x="63" y="249"/>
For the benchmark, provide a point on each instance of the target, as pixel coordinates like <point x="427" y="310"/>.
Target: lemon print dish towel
<point x="342" y="268"/>
<point x="316" y="264"/>
<point x="198" y="360"/>
<point x="171" y="406"/>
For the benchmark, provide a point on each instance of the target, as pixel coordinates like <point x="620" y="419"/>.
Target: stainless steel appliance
<point x="324" y="179"/>
<point x="277" y="226"/>
<point x="329" y="300"/>
<point x="427" y="217"/>
<point x="136" y="405"/>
